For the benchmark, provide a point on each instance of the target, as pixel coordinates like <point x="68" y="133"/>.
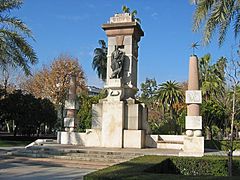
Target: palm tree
<point x="14" y="48"/>
<point x="169" y="94"/>
<point x="99" y="62"/>
<point x="217" y="14"/>
<point x="126" y="9"/>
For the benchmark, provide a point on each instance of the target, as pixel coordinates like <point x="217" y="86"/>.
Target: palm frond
<point x="125" y="9"/>
<point x="6" y="5"/>
<point x="201" y="13"/>
<point x="16" y="24"/>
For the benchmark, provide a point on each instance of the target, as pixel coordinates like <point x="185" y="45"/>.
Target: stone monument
<point x="119" y="120"/>
<point x="193" y="141"/>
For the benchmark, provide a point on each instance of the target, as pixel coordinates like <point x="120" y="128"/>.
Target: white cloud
<point x="155" y="15"/>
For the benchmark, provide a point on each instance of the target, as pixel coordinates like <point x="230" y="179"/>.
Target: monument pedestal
<point x="193" y="146"/>
<point x="134" y="139"/>
<point x="112" y="124"/>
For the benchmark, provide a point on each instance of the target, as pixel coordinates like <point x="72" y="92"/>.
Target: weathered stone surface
<point x="145" y="124"/>
<point x="72" y="138"/>
<point x="121" y="18"/>
<point x="193" y="122"/>
<point x="134" y="138"/>
<point x="112" y="124"/>
<point x="193" y="78"/>
<point x="133" y="116"/>
<point x="193" y="146"/>
<point x="193" y="109"/>
<point x="193" y="96"/>
<point x="97" y="116"/>
<point x="71" y="104"/>
<point x="151" y="141"/>
<point x="93" y="138"/>
<point x="69" y="122"/>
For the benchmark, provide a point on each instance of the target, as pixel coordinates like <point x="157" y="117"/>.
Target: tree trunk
<point x="15" y="130"/>
<point x="208" y="133"/>
<point x="62" y="116"/>
<point x="236" y="130"/>
<point x="8" y="128"/>
<point x="231" y="137"/>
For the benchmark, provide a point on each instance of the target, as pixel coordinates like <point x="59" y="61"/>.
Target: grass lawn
<point x="136" y="169"/>
<point x="10" y="143"/>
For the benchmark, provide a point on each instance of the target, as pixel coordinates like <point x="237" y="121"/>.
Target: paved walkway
<point x="21" y="168"/>
<point x="26" y="169"/>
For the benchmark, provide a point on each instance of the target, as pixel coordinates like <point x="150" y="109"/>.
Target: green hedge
<point x="159" y="167"/>
<point x="221" y="145"/>
<point x="210" y="166"/>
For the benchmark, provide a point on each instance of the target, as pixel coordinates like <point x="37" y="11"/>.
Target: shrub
<point x="206" y="166"/>
<point x="160" y="167"/>
<point x="221" y="145"/>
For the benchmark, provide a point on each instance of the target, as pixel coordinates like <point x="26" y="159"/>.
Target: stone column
<point x="71" y="107"/>
<point x="193" y="100"/>
<point x="193" y="144"/>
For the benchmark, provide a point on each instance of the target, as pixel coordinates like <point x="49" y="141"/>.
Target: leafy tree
<point x="169" y="94"/>
<point x="27" y="112"/>
<point x="85" y="112"/>
<point x="126" y="9"/>
<point x="148" y="93"/>
<point x="233" y="74"/>
<point x="53" y="83"/>
<point x="214" y="113"/>
<point x="99" y="62"/>
<point x="212" y="77"/>
<point x="216" y="15"/>
<point x="14" y="48"/>
<point x="148" y="88"/>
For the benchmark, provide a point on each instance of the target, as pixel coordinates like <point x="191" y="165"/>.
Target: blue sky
<point x="74" y="27"/>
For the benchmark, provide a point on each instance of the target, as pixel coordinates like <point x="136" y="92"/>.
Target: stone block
<point x="112" y="41"/>
<point x="121" y="18"/>
<point x="114" y="83"/>
<point x="151" y="141"/>
<point x="134" y="115"/>
<point x="163" y="145"/>
<point x="193" y="122"/>
<point x="72" y="138"/>
<point x="134" y="138"/>
<point x="97" y="116"/>
<point x="93" y="138"/>
<point x="71" y="104"/>
<point x="193" y="146"/>
<point x="128" y="40"/>
<point x="171" y="138"/>
<point x="112" y="124"/>
<point x="144" y="122"/>
<point x="69" y="122"/>
<point x="193" y="97"/>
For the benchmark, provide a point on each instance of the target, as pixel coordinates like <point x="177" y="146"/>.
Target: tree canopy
<point x="14" y="48"/>
<point x="216" y="15"/>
